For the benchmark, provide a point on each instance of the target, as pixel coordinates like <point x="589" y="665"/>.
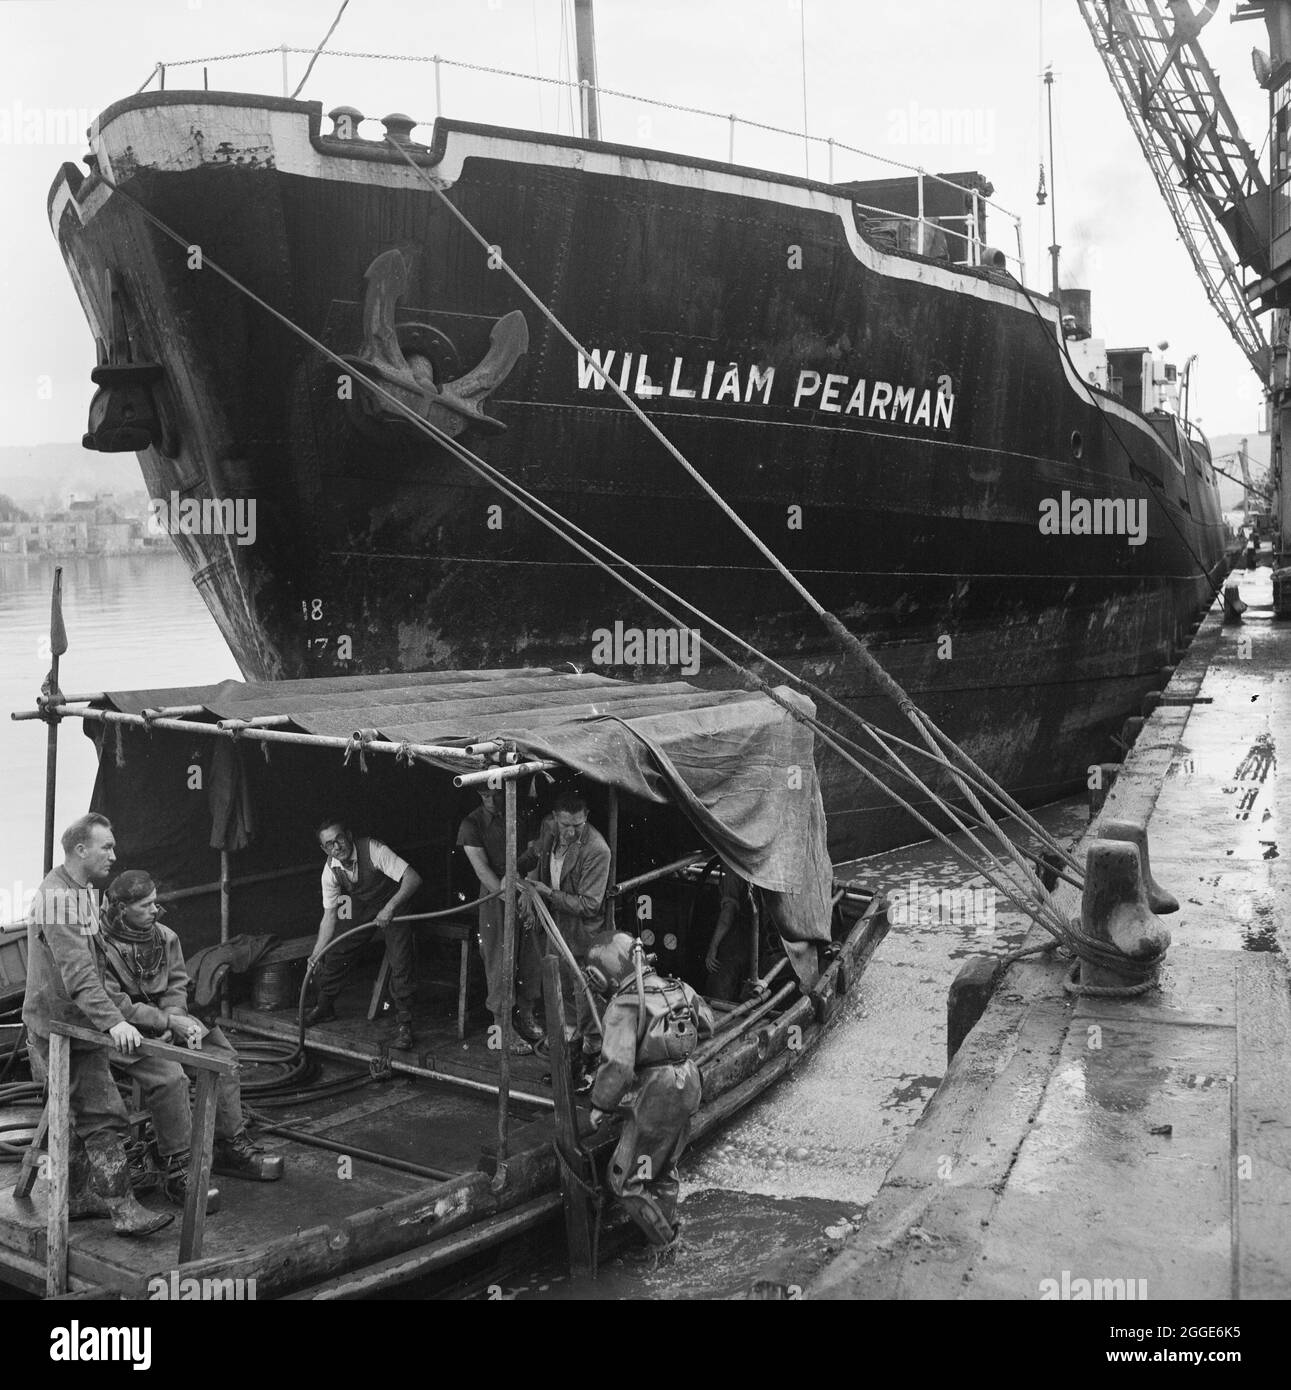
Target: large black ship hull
<point x="889" y="426"/>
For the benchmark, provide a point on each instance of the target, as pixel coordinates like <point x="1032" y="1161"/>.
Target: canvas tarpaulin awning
<point x="737" y="764"/>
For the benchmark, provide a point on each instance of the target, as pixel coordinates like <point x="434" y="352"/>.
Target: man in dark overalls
<point x="652" y="1025"/>
<point x="364" y="881"/>
<point x="482" y="836"/>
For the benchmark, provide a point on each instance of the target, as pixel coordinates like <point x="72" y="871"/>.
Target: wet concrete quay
<point x="1129" y="1148"/>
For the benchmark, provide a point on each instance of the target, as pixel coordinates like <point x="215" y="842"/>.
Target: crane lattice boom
<point x="1204" y="168"/>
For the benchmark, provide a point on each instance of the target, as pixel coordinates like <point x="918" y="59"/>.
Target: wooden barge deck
<point x="343" y="1222"/>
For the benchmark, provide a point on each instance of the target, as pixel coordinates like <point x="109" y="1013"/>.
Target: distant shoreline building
<point x="97" y="525"/>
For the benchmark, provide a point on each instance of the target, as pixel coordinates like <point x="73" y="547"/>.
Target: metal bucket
<point x="277" y="985"/>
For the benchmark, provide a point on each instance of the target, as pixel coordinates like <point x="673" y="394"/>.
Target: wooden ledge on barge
<point x="405" y="1165"/>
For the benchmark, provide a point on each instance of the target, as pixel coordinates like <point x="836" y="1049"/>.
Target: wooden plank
<point x="508" y="980"/>
<point x="578" y="1211"/>
<point x="59" y="1108"/>
<point x="379" y="988"/>
<point x="1262" y="1129"/>
<point x="199" y="1169"/>
<point x="463" y="986"/>
<point x="390" y="1273"/>
<point x="27" y="1174"/>
<point x="148" y="1047"/>
<point x="23" y="1272"/>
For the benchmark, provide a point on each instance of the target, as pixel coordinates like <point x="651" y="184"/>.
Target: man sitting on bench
<point x="65" y="983"/>
<point x="146" y="980"/>
<point x="376" y="883"/>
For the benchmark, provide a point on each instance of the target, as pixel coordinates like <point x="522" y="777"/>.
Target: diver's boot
<point x="239" y="1157"/>
<point x="110" y="1174"/>
<point x="660" y="1233"/>
<point x="82" y="1200"/>
<point x="174" y="1182"/>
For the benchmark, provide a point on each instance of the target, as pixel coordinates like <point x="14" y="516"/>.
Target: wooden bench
<point x="56" y="1122"/>
<point x="460" y="930"/>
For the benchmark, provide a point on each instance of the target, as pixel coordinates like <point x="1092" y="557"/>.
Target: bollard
<point x="1150" y="702"/>
<point x="1114" y="911"/>
<point x="1159" y="900"/>
<point x="1106" y="781"/>
<point x="1234" y="606"/>
<point x="1130" y="731"/>
<point x="1164" y="675"/>
<point x="970" y="992"/>
<point x="1282" y="593"/>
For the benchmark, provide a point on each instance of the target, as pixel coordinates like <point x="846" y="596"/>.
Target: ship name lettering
<point x="587" y="373"/>
<point x="644" y="386"/>
<point x="829" y="392"/>
<point x="759" y="380"/>
<point x="736" y="383"/>
<point x="886" y="400"/>
<point x="731" y="383"/>
<point x="745" y="384"/>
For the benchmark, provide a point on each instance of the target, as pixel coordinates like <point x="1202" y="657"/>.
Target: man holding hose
<point x="364" y="881"/>
<point x="571" y="877"/>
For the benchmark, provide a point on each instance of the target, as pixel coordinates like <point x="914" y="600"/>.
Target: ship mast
<point x="585" y="39"/>
<point x="1054" y="248"/>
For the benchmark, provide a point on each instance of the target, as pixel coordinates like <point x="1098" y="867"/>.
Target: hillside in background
<point x="42" y="475"/>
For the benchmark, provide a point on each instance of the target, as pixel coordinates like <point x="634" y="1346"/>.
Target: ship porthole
<point x="1077" y="444"/>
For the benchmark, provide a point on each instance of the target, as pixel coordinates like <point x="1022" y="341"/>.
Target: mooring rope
<point x="319" y="49"/>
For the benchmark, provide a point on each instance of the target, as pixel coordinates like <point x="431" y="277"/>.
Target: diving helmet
<point x="609" y="962"/>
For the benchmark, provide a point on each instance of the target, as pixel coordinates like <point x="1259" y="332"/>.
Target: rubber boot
<point x="82" y="1200"/>
<point x="110" y="1174"/>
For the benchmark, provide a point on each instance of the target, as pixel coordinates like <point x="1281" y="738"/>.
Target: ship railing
<point x="925" y="239"/>
<point x="589" y="98"/>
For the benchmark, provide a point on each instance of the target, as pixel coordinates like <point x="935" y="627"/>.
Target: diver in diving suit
<point x="651" y="1027"/>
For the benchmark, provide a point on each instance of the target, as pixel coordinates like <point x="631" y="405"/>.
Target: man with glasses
<point x="367" y="882"/>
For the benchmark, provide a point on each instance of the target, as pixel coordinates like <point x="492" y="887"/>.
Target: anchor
<point x="124" y="413"/>
<point x="452" y="405"/>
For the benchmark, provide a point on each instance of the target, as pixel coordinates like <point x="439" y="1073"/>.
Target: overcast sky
<point x="876" y="71"/>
